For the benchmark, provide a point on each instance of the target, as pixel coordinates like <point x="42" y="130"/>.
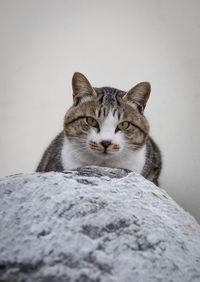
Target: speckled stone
<point x="94" y="224"/>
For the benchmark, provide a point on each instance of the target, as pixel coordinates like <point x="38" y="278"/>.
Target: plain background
<point x="114" y="43"/>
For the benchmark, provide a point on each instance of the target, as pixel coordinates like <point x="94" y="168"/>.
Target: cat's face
<point x="106" y="122"/>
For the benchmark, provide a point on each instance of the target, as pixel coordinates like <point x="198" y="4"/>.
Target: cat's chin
<point x="104" y="155"/>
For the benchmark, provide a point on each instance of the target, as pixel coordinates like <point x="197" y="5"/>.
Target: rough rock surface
<point x="94" y="224"/>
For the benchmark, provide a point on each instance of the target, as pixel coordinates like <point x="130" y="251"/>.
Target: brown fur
<point x="51" y="159"/>
<point x="96" y="103"/>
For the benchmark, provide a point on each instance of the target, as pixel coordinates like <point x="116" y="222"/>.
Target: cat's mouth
<point x="105" y="148"/>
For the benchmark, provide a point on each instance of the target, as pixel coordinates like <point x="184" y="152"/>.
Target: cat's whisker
<point x="78" y="154"/>
<point x="132" y="147"/>
<point x="79" y="149"/>
<point x="76" y="141"/>
<point x="76" y="138"/>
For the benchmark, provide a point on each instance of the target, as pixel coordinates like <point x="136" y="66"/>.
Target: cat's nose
<point x="105" y="143"/>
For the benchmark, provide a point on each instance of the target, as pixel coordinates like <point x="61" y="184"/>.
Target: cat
<point x="105" y="127"/>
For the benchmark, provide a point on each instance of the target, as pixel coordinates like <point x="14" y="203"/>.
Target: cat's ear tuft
<point x="139" y="94"/>
<point x="81" y="87"/>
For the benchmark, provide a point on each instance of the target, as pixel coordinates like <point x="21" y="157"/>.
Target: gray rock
<point x="94" y="224"/>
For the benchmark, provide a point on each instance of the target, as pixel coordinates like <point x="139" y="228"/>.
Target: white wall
<point x="115" y="43"/>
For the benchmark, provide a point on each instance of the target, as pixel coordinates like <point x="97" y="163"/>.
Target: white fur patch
<point x="75" y="154"/>
<point x="107" y="132"/>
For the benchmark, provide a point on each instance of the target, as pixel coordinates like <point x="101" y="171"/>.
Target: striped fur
<point x="153" y="164"/>
<point x="109" y="107"/>
<point x="51" y="159"/>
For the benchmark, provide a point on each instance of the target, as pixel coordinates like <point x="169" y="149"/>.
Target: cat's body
<point x="105" y="127"/>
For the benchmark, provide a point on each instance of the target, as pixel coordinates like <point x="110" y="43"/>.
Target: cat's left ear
<point x="81" y="87"/>
<point x="139" y="94"/>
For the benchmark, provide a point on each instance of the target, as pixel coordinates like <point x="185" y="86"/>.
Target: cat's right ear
<point x="81" y="88"/>
<point x="139" y="95"/>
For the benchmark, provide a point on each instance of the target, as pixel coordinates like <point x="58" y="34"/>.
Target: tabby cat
<point x="105" y="127"/>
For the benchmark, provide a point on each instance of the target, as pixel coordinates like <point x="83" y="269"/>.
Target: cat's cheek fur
<point x="134" y="161"/>
<point x="68" y="153"/>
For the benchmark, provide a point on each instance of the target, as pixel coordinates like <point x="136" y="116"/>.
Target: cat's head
<point x="106" y="121"/>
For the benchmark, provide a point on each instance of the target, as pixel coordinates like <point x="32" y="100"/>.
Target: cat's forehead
<point x="109" y="95"/>
<point x="108" y="100"/>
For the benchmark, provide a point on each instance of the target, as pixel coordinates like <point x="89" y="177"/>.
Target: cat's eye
<point x="92" y="122"/>
<point x="123" y="125"/>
